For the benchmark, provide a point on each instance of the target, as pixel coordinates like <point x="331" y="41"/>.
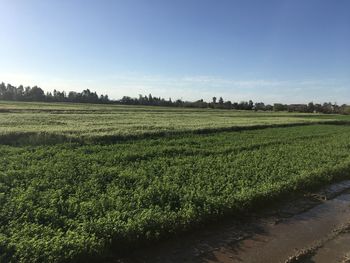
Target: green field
<point x="44" y="122"/>
<point x="78" y="195"/>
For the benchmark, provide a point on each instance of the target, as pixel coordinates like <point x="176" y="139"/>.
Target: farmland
<point x="44" y="122"/>
<point x="77" y="194"/>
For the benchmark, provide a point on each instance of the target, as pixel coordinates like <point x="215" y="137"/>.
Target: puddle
<point x="335" y="250"/>
<point x="279" y="242"/>
<point x="304" y="230"/>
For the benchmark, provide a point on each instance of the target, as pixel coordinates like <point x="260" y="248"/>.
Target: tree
<point x="2" y="90"/>
<point x="19" y="92"/>
<point x="259" y="106"/>
<point x="150" y="98"/>
<point x="311" y="107"/>
<point x="269" y="107"/>
<point x="250" y="105"/>
<point x="228" y="105"/>
<point x="36" y="94"/>
<point x="279" y="107"/>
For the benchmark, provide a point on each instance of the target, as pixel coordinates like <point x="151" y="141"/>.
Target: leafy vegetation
<point x="38" y="123"/>
<point x="66" y="201"/>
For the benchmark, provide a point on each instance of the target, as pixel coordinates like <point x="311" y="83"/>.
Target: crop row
<point x="35" y="123"/>
<point x="65" y="202"/>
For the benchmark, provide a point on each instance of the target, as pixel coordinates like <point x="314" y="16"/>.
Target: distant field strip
<point x="65" y="202"/>
<point x="35" y="123"/>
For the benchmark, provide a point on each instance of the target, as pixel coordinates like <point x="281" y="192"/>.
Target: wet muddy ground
<point x="314" y="227"/>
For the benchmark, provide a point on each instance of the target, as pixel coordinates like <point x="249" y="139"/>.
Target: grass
<point x="69" y="201"/>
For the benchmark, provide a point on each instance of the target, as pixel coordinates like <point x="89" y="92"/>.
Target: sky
<point x="289" y="51"/>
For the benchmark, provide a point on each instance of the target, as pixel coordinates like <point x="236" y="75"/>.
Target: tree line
<point x="20" y="93"/>
<point x="311" y="107"/>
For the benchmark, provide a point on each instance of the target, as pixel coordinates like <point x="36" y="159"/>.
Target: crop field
<point x="74" y="198"/>
<point x="43" y="122"/>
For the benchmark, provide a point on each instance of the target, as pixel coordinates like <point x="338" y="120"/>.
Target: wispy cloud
<point x="196" y="87"/>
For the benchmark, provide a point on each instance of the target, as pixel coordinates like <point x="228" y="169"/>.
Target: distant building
<point x="297" y="107"/>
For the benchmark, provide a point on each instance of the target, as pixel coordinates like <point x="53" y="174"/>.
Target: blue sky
<point x="273" y="51"/>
